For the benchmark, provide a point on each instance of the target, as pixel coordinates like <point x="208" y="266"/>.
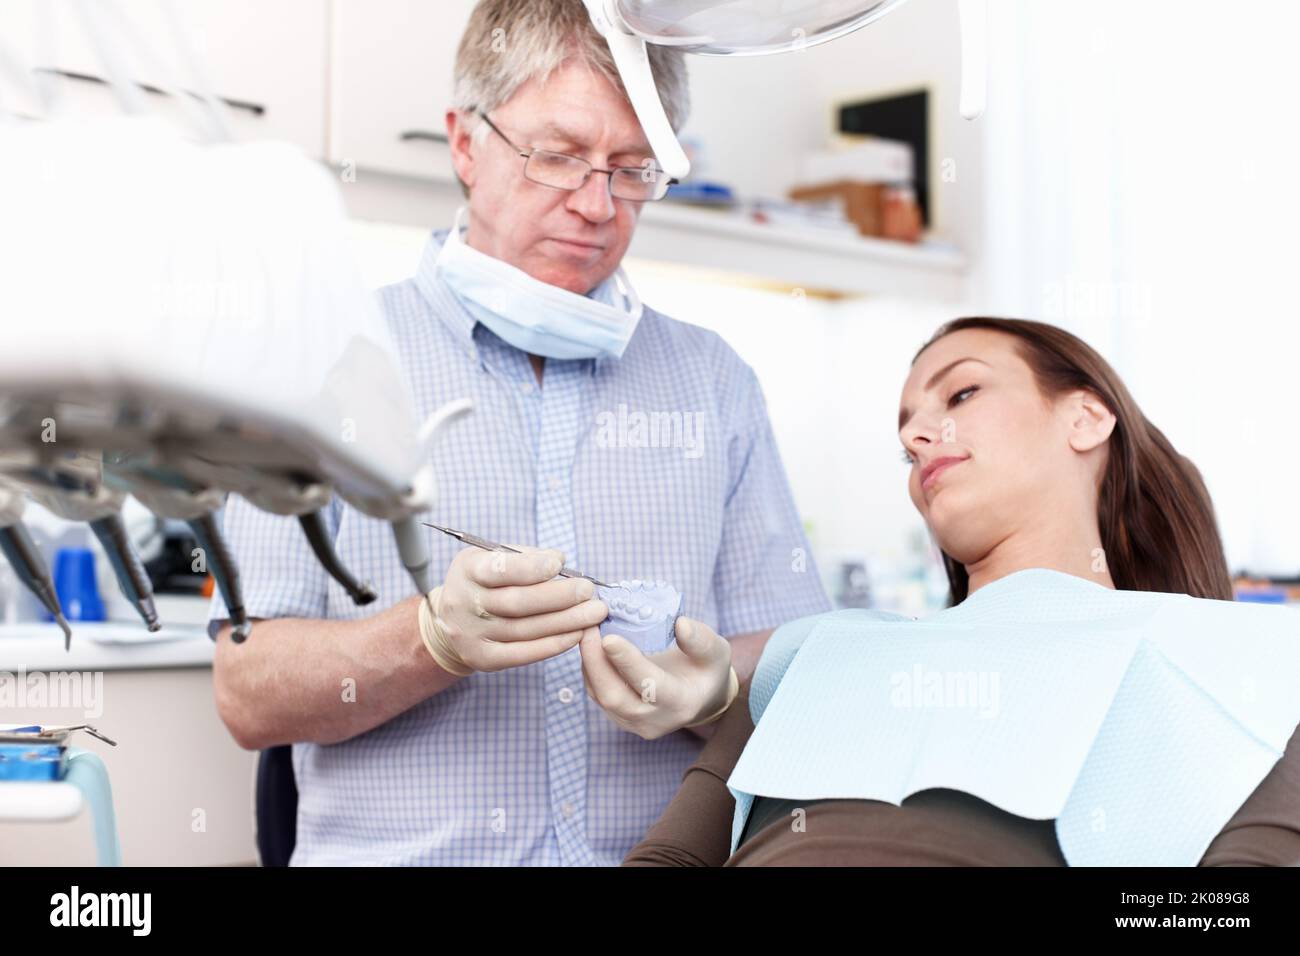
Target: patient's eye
<point x="960" y="396"/>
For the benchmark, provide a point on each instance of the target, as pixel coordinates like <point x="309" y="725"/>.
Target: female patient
<point x="1043" y="483"/>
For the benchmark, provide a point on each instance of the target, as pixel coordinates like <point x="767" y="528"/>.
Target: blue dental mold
<point x="644" y="612"/>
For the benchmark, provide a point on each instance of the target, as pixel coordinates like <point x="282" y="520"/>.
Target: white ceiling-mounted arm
<point x="974" y="17"/>
<point x="633" y="62"/>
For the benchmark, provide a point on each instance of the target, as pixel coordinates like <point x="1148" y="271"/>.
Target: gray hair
<point x="509" y="42"/>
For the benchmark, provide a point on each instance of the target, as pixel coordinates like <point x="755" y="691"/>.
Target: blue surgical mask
<point x="535" y="316"/>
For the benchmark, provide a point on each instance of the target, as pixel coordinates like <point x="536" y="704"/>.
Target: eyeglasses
<point x="644" y="183"/>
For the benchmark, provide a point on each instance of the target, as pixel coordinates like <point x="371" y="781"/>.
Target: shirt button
<point x="565" y="695"/>
<point x="567" y="809"/>
<point x="526" y="387"/>
<point x="553" y="483"/>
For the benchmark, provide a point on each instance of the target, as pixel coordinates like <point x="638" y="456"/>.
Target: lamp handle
<point x="633" y="62"/>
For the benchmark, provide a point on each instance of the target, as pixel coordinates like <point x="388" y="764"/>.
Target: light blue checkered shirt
<point x="520" y="767"/>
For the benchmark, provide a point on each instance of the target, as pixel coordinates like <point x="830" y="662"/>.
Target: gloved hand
<point x="497" y="610"/>
<point x="689" y="684"/>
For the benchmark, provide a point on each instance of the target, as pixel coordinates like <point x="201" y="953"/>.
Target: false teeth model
<point x="644" y="612"/>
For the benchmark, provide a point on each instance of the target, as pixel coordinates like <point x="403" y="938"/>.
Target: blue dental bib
<point x="1138" y="721"/>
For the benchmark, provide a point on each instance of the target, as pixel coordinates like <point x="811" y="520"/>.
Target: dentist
<point x="487" y="722"/>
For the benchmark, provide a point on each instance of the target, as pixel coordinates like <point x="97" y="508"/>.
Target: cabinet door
<point x="390" y="83"/>
<point x="267" y="60"/>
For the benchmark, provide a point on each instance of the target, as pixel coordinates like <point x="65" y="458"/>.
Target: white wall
<point x="758" y="116"/>
<point x="1142" y="193"/>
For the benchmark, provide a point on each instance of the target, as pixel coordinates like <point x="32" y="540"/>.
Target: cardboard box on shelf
<point x="878" y="210"/>
<point x="861" y="159"/>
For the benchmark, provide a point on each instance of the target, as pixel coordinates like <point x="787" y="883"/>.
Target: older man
<point x="456" y="728"/>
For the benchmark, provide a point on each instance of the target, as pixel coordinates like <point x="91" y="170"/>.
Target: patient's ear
<point x="1090" y="422"/>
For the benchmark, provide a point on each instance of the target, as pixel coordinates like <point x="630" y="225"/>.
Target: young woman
<point x="1069" y="525"/>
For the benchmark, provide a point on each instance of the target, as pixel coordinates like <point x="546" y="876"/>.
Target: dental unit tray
<point x="186" y="321"/>
<point x="38" y="753"/>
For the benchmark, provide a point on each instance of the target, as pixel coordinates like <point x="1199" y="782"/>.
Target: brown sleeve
<point x="1265" y="831"/>
<point x="695" y="828"/>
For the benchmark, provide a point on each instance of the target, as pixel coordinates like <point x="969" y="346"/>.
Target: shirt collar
<point x="441" y="299"/>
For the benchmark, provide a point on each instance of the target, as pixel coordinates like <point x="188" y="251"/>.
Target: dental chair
<point x="276" y="799"/>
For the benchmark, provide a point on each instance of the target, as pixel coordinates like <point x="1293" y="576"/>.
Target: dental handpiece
<point x="313" y="526"/>
<point x="223" y="568"/>
<point x="22" y="553"/>
<point x="131" y="575"/>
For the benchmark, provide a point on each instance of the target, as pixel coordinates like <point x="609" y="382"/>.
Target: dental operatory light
<point x="752" y="28"/>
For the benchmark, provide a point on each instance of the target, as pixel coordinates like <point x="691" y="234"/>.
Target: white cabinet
<point x="268" y="61"/>
<point x="390" y="83"/>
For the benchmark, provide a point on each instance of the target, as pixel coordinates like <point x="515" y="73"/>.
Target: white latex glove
<point x="691" y="683"/>
<point x="497" y="610"/>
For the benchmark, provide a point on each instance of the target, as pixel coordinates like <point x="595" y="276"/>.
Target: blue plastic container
<point x="74" y="582"/>
<point x="31" y="761"/>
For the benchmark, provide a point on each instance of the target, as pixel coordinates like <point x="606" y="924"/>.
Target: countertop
<point x="103" y="646"/>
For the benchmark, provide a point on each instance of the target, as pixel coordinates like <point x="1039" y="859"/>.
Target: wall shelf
<point x="716" y="240"/>
<point x="809" y="258"/>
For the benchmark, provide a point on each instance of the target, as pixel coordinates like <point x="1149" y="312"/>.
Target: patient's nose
<point x="920" y="431"/>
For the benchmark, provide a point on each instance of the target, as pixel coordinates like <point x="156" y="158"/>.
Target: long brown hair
<point x="1155" y="515"/>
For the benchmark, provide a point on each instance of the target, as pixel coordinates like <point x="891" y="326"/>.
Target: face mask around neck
<point x="535" y="316"/>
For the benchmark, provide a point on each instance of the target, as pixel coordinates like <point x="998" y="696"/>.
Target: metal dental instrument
<point x="73" y="488"/>
<point x="62" y="732"/>
<point x="313" y="526"/>
<point x="487" y="545"/>
<point x="131" y="575"/>
<point x="25" y="557"/>
<point x="223" y="568"/>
